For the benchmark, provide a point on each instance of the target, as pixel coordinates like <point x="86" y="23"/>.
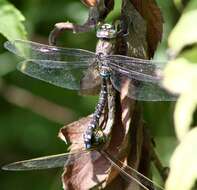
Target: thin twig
<point x="25" y="99"/>
<point x="163" y="171"/>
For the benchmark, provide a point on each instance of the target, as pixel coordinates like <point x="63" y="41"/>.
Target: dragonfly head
<point x="106" y="31"/>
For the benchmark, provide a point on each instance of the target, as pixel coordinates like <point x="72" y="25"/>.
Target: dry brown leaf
<point x="152" y="14"/>
<point x="92" y="170"/>
<point x="89" y="3"/>
<point x="86" y="172"/>
<point x="81" y="174"/>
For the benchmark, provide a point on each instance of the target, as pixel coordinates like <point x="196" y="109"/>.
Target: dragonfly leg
<point x="89" y="137"/>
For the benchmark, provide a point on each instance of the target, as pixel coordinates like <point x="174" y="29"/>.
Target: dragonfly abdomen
<point x="90" y="137"/>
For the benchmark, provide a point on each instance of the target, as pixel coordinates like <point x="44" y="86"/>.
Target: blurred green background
<point x="26" y="134"/>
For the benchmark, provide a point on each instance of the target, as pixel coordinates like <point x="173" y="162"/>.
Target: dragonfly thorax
<point x="104" y="69"/>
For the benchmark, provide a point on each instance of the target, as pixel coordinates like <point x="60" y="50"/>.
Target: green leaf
<point x="181" y="77"/>
<point x="183" y="115"/>
<point x="11" y="22"/>
<point x="178" y="4"/>
<point x="185" y="32"/>
<point x="190" y="54"/>
<point x="7" y="63"/>
<point x="183" y="168"/>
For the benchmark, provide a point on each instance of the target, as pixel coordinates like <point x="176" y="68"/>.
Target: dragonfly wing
<point x="140" y="90"/>
<point x="130" y="174"/>
<point x="91" y="82"/>
<point x="59" y="73"/>
<point x="46" y="162"/>
<point x="33" y="50"/>
<point x="64" y="67"/>
<point x="141" y="78"/>
<point x="135" y="68"/>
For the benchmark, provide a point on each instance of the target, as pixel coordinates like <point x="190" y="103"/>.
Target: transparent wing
<point x="135" y="68"/>
<point x="62" y="74"/>
<point x="141" y="78"/>
<point x="130" y="174"/>
<point x="140" y="90"/>
<point x="33" y="50"/>
<point x="63" y="160"/>
<point x="47" y="162"/>
<point x="91" y="82"/>
<point x="64" y="67"/>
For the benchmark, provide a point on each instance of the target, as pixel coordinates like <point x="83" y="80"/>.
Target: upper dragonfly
<point x="67" y="67"/>
<point x="84" y="70"/>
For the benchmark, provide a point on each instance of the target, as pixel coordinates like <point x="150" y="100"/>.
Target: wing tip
<point x="15" y="166"/>
<point x="4" y="167"/>
<point x="8" y="167"/>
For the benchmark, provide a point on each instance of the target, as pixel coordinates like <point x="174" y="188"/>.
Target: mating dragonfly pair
<point x="83" y="70"/>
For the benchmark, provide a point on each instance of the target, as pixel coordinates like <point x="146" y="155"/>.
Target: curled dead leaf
<point x="93" y="169"/>
<point x="89" y="3"/>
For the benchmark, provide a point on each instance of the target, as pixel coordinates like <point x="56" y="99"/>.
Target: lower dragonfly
<point x="83" y="70"/>
<point x="64" y="160"/>
<point x="89" y="160"/>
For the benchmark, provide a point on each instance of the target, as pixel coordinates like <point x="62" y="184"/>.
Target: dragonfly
<point x="64" y="160"/>
<point x="83" y="70"/>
